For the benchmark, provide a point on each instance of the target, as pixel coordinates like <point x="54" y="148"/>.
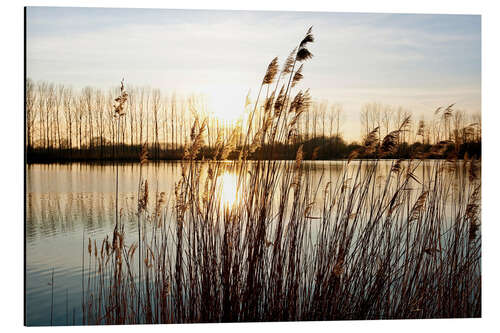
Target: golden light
<point x="226" y="103"/>
<point x="228" y="189"/>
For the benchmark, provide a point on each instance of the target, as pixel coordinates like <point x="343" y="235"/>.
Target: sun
<point x="226" y="103"/>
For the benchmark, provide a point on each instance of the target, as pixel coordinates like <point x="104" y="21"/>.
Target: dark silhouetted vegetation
<point x="400" y="247"/>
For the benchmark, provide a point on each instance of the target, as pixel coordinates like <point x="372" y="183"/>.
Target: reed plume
<point x="297" y="76"/>
<point x="370" y="142"/>
<point x="289" y="62"/>
<point x="119" y="106"/>
<point x="418" y="206"/>
<point x="272" y="70"/>
<point x="144" y="197"/>
<point x="279" y="101"/>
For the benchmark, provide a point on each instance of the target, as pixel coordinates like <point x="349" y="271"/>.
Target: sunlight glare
<point x="226" y="103"/>
<point x="228" y="191"/>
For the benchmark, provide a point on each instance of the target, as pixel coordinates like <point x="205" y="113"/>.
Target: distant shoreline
<point x="127" y="161"/>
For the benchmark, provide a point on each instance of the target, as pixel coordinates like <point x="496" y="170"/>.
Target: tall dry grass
<point x="287" y="248"/>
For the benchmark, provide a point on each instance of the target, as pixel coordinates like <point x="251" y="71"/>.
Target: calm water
<point x="68" y="203"/>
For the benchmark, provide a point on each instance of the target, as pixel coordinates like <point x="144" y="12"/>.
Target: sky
<point x="417" y="61"/>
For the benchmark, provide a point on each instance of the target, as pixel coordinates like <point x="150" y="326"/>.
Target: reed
<point x="288" y="248"/>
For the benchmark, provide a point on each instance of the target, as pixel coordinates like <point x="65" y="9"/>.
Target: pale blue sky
<point x="416" y="61"/>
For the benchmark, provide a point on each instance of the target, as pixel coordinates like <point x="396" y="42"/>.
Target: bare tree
<point x="68" y="115"/>
<point x="156" y="105"/>
<point x="31" y="99"/>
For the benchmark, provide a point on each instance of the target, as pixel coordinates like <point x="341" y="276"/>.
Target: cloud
<point x="417" y="60"/>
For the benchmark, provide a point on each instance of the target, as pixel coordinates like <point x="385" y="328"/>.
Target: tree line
<point x="65" y="124"/>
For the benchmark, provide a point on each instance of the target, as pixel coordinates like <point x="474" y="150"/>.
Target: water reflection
<point x="68" y="203"/>
<point x="68" y="197"/>
<point x="228" y="191"/>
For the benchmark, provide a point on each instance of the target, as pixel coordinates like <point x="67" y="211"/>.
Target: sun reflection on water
<point x="228" y="189"/>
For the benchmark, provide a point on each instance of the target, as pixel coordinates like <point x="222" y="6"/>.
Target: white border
<point x="12" y="193"/>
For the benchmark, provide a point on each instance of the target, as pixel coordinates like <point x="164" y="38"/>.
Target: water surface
<point x="68" y="203"/>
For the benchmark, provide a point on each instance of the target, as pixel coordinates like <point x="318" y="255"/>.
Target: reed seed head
<point x="272" y="69"/>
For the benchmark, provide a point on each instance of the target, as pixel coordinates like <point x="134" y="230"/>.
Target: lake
<point x="66" y="204"/>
